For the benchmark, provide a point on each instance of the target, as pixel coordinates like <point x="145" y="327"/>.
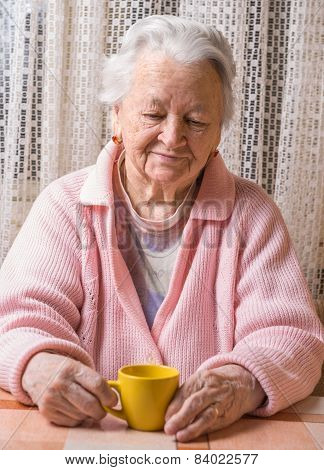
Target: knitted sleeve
<point x="278" y="335"/>
<point x="40" y="288"/>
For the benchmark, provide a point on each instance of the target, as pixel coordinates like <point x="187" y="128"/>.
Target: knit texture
<point x="149" y="247"/>
<point x="237" y="293"/>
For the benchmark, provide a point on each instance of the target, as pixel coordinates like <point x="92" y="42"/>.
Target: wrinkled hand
<point x="211" y="400"/>
<point x="66" y="391"/>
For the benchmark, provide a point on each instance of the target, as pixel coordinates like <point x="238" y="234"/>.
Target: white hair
<point x="185" y="41"/>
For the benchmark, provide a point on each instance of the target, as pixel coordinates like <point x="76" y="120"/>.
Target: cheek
<point x="201" y="148"/>
<point x="198" y="145"/>
<point x="138" y="142"/>
<point x="204" y="142"/>
<point x="139" y="137"/>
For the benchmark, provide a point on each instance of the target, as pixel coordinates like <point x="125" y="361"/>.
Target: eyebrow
<point x="154" y="101"/>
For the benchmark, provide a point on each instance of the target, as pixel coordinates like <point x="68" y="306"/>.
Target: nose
<point x="173" y="133"/>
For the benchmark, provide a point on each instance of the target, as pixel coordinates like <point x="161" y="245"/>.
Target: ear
<point x="116" y="108"/>
<point x="115" y="120"/>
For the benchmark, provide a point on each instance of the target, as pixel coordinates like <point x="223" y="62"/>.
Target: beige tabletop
<point x="298" y="427"/>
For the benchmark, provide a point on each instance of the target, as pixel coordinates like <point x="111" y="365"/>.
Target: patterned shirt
<point x="149" y="247"/>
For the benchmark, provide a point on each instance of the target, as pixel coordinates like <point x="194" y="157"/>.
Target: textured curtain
<point x="51" y="122"/>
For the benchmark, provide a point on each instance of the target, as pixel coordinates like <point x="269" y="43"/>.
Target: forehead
<point x="156" y="102"/>
<point x="158" y="78"/>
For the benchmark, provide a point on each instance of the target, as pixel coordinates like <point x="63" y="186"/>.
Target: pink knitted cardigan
<point x="237" y="293"/>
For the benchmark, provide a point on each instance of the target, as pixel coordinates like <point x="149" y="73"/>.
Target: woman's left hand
<point x="211" y="400"/>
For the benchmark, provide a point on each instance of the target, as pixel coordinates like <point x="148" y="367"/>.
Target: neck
<point x="152" y="200"/>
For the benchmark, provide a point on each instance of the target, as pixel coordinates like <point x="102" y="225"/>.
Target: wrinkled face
<point x="170" y="120"/>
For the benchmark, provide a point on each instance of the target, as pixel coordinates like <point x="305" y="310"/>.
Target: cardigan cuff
<point x="27" y="344"/>
<point x="279" y="390"/>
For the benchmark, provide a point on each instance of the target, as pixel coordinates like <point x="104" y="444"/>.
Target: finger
<point x="193" y="384"/>
<point x="83" y="401"/>
<point x="192" y="406"/>
<point x="67" y="408"/>
<point x="97" y="385"/>
<point x="59" y="404"/>
<point x="203" y="424"/>
<point x="175" y="404"/>
<point x="88" y="423"/>
<point x="62" y="419"/>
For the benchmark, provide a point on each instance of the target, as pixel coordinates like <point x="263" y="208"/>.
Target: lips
<point x="165" y="155"/>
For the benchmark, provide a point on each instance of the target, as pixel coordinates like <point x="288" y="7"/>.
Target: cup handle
<point x="118" y="413"/>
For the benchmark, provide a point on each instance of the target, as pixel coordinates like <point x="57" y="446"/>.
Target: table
<point x="298" y="427"/>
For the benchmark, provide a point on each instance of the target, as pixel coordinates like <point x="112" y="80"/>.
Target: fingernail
<point x="182" y="437"/>
<point x="111" y="400"/>
<point x="115" y="399"/>
<point x="169" y="428"/>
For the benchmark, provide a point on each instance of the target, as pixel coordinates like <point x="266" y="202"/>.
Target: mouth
<point x="167" y="158"/>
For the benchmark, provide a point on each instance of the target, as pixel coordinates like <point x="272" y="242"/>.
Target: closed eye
<point x="153" y="116"/>
<point x="195" y="122"/>
<point x="192" y="121"/>
<point x="197" y="125"/>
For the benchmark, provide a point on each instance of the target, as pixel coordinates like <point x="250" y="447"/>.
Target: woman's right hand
<point x="66" y="391"/>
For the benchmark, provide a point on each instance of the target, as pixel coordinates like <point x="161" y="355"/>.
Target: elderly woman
<point x="159" y="254"/>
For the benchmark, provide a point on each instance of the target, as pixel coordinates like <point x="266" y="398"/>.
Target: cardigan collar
<point x="215" y="199"/>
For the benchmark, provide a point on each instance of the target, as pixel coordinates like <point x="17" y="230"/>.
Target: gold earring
<point x="116" y="140"/>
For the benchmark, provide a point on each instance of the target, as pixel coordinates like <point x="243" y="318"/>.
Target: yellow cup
<point x="145" y="392"/>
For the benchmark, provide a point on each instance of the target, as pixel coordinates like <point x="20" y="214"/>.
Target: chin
<point x="164" y="176"/>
